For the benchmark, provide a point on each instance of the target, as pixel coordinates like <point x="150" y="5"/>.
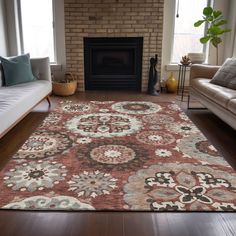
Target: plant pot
<point x="64" y="89"/>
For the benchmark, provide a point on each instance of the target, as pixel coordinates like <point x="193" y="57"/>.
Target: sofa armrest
<point x="41" y="68"/>
<point x="203" y="71"/>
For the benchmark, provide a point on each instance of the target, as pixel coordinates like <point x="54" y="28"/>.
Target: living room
<point x="114" y="113"/>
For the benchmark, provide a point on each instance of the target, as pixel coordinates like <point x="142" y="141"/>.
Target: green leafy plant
<point x="215" y="22"/>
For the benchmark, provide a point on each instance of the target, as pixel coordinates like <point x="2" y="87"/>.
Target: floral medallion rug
<point x="120" y="156"/>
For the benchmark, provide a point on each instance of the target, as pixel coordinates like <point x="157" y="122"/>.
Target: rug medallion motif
<point x="118" y="156"/>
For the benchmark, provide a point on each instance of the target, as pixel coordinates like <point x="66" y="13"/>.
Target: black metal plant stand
<point x="181" y="80"/>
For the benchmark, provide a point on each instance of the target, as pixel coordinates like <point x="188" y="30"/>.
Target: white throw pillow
<point x="226" y="75"/>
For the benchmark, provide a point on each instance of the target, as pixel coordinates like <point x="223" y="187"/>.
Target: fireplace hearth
<point x="113" y="63"/>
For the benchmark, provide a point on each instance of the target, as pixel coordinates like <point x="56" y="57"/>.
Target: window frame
<point x="21" y="37"/>
<point x="205" y="46"/>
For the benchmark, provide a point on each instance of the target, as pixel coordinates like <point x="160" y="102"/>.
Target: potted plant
<point x="66" y="86"/>
<point x="215" y="28"/>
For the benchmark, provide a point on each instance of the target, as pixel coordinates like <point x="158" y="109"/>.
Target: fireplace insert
<point x="113" y="63"/>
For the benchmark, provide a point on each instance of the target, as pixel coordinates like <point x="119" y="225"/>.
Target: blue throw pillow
<point x="17" y="70"/>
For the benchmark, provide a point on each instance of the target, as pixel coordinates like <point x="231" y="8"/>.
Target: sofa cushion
<point x="1" y="76"/>
<point x="226" y="75"/>
<point x="232" y="106"/>
<point x="17" y="100"/>
<point x="17" y="70"/>
<point x="218" y="94"/>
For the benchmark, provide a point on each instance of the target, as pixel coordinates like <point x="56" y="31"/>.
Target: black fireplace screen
<point x="113" y="63"/>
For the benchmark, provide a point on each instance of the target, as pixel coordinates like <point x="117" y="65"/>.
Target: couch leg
<point x="194" y="108"/>
<point x="49" y="102"/>
<point x="188" y="101"/>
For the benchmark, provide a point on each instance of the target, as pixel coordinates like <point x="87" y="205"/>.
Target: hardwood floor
<point x="116" y="224"/>
<point x="26" y="223"/>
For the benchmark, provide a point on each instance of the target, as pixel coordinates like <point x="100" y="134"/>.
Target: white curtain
<point x="234" y="50"/>
<point x="230" y="48"/>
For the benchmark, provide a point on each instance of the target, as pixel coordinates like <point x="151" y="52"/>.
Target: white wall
<point x="168" y="31"/>
<point x="14" y="47"/>
<point x="230" y="43"/>
<point x="3" y="34"/>
<point x="60" y="31"/>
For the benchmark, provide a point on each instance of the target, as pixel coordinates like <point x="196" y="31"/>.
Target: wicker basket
<point x="65" y="88"/>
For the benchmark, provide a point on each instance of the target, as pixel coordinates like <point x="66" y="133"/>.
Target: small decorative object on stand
<point x="65" y="87"/>
<point x="185" y="60"/>
<point x="171" y="84"/>
<point x="153" y="82"/>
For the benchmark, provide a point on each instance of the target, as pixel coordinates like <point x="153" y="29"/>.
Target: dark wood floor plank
<point x="228" y="223"/>
<point x="160" y="224"/>
<point x="116" y="224"/>
<point x="141" y="221"/>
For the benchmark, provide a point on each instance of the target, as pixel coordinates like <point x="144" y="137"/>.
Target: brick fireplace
<point x="112" y="18"/>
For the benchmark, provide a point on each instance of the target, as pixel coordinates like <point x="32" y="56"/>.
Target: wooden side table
<point x="181" y="80"/>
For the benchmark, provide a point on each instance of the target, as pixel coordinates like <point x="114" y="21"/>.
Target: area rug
<point x="119" y="156"/>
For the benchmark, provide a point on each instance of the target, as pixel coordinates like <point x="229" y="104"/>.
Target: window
<point x="37" y="33"/>
<point x="186" y="36"/>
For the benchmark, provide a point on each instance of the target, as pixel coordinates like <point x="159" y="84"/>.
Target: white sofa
<point x="220" y="100"/>
<point x="18" y="100"/>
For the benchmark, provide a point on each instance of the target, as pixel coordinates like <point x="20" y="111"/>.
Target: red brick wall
<point x="112" y="18"/>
